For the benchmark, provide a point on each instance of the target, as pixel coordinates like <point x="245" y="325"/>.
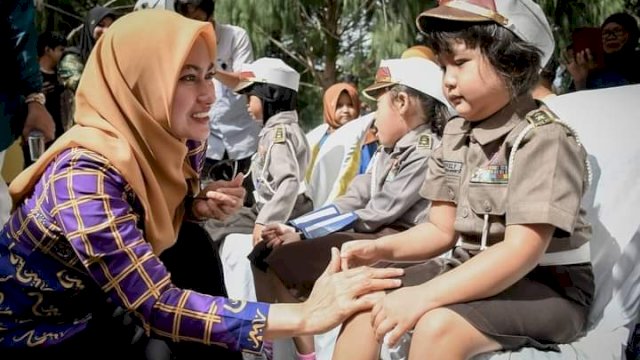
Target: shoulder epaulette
<point x="424" y="142"/>
<point x="280" y="135"/>
<point x="540" y="117"/>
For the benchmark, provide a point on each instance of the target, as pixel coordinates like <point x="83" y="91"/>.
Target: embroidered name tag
<point x="492" y="174"/>
<point x="452" y="167"/>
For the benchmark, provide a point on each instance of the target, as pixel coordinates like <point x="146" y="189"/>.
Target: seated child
<point x="506" y="187"/>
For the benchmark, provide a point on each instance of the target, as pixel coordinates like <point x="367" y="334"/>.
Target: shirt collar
<point x="503" y="121"/>
<point x="411" y="138"/>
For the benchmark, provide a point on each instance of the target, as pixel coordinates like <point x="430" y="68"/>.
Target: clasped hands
<point x="219" y="199"/>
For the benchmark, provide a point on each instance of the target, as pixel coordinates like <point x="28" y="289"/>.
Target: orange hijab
<point x="123" y="105"/>
<point x="330" y="101"/>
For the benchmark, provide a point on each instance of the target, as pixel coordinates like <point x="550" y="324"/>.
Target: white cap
<point x="524" y="18"/>
<point x="268" y="71"/>
<point x="417" y="73"/>
<point x="153" y="4"/>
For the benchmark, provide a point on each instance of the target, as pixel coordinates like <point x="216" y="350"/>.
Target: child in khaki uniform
<point x="279" y="166"/>
<point x="506" y="188"/>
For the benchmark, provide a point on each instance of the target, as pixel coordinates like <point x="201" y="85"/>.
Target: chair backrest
<point x="334" y="158"/>
<point x="608" y="123"/>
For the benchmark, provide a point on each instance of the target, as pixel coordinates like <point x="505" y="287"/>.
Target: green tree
<point x="326" y="40"/>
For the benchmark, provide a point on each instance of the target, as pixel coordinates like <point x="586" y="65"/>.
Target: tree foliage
<point x="335" y="40"/>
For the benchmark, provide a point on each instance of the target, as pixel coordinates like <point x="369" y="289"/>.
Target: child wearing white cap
<point x="505" y="186"/>
<point x="278" y="167"/>
<point x="409" y="120"/>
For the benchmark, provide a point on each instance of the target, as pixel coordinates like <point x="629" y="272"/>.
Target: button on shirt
<point x="232" y="128"/>
<point x="78" y="240"/>
<point x="545" y="187"/>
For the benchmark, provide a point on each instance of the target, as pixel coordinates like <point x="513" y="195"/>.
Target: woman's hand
<point x="396" y="313"/>
<point x="38" y="118"/>
<point x="338" y="295"/>
<point x="219" y="199"/>
<point x="279" y="234"/>
<point x="579" y="68"/>
<point x="359" y="253"/>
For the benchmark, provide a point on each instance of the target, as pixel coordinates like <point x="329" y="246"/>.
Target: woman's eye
<point x="188" y="78"/>
<point x="209" y="76"/>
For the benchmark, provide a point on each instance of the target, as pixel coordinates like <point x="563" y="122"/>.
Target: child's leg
<point x="262" y="283"/>
<point x="357" y="340"/>
<point x="304" y="344"/>
<point x="443" y="334"/>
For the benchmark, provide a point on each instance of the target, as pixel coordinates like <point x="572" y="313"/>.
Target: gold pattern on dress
<point x="25" y="276"/>
<point x="35" y="340"/>
<point x="5" y="311"/>
<point x="6" y="278"/>
<point x="69" y="282"/>
<point x="258" y="324"/>
<point x="42" y="311"/>
<point x="235" y="306"/>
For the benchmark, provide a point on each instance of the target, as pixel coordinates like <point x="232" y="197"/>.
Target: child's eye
<point x="460" y="62"/>
<point x="209" y="75"/>
<point x="189" y="77"/>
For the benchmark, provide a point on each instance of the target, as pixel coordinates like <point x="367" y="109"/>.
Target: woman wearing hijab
<point x="94" y="212"/>
<point x="620" y="34"/>
<point x="330" y="171"/>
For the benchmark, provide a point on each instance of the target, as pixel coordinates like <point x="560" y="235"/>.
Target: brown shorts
<point x="298" y="265"/>
<point x="549" y="306"/>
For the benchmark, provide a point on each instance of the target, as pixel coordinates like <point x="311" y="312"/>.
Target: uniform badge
<point x="280" y="135"/>
<point x="540" y="117"/>
<point x="424" y="142"/>
<point x="492" y="174"/>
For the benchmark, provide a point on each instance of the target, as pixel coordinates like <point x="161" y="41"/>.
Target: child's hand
<point x="359" y="253"/>
<point x="279" y="234"/>
<point x="257" y="233"/>
<point x="397" y="313"/>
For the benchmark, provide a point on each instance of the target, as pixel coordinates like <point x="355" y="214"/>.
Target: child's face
<point x="194" y="95"/>
<point x="389" y="122"/>
<point x="254" y="107"/>
<point x="471" y="84"/>
<point x="345" y="111"/>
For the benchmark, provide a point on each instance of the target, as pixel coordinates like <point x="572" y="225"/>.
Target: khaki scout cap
<point x="419" y="51"/>
<point x="417" y="73"/>
<point x="268" y="71"/>
<point x="523" y="17"/>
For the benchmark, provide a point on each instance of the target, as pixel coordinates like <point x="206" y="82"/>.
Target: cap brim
<point x="372" y="92"/>
<point x="242" y="86"/>
<point x="444" y="12"/>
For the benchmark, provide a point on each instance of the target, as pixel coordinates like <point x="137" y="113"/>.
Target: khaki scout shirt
<point x="278" y="170"/>
<point x="545" y="187"/>
<point x="399" y="174"/>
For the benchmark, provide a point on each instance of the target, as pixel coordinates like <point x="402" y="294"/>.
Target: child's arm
<point x="397" y="196"/>
<point x="283" y="174"/>
<point x="421" y="242"/>
<point x="486" y="274"/>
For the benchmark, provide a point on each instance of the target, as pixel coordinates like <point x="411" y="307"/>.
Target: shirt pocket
<point x="488" y="199"/>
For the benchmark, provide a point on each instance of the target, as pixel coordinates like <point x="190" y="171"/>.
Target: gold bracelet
<point x="36" y="97"/>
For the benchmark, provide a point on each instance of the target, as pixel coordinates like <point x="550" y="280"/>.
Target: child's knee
<point x="435" y="325"/>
